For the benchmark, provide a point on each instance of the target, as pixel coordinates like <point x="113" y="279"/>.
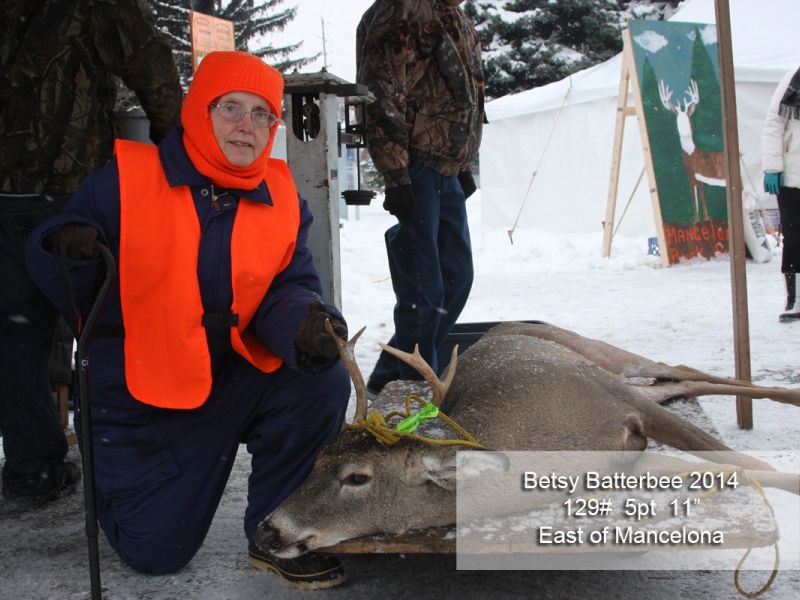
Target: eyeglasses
<point x="230" y="111"/>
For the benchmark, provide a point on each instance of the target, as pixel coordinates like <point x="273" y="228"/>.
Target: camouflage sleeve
<point x="385" y="46"/>
<point x="132" y="48"/>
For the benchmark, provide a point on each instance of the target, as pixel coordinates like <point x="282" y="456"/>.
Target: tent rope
<point x="747" y="173"/>
<point x="539" y="164"/>
<point x="627" y="204"/>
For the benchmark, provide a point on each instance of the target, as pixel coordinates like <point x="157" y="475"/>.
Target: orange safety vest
<point x="167" y="361"/>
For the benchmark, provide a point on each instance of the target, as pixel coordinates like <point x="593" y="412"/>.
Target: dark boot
<point x="52" y="481"/>
<point x="310" y="571"/>
<point x="792" y="302"/>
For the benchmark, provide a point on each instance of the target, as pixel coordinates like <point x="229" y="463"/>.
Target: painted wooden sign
<point x="676" y="73"/>
<point x="208" y="34"/>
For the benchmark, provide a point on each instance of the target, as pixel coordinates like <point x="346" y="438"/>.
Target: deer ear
<point x="440" y="468"/>
<point x="462" y="468"/>
<point x="475" y="463"/>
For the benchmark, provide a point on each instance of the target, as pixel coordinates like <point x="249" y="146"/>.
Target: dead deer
<point x="520" y="387"/>
<point x="701" y="167"/>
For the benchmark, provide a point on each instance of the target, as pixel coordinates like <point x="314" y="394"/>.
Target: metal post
<point x="314" y="165"/>
<point x="312" y="151"/>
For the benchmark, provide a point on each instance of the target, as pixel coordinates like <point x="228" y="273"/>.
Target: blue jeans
<point x="430" y="260"/>
<point x="32" y="434"/>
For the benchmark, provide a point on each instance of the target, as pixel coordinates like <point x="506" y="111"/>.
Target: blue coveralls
<point x="160" y="472"/>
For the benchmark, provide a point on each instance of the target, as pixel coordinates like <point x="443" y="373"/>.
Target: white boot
<point x="792" y="301"/>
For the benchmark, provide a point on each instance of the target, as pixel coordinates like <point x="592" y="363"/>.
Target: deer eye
<point x="357" y="479"/>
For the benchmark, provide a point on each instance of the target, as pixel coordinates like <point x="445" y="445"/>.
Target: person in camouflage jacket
<point x="422" y="61"/>
<point x="58" y="62"/>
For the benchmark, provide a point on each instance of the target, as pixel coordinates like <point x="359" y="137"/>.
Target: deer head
<point x="682" y="114"/>
<point x="407" y="485"/>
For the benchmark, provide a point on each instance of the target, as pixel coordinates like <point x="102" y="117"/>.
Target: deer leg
<point x="661" y="392"/>
<point x="659" y="464"/>
<point x="703" y="200"/>
<point x="789" y="482"/>
<point x="630" y="365"/>
<point x="668" y="428"/>
<point x="695" y="202"/>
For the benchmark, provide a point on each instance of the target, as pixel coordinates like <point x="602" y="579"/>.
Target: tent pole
<point x="733" y="179"/>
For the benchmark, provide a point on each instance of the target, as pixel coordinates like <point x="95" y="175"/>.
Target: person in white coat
<point x="780" y="158"/>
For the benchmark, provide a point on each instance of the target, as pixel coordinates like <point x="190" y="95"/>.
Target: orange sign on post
<point x="208" y="34"/>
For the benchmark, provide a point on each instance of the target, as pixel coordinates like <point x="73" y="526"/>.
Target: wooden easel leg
<point x="616" y="159"/>
<point x="62" y="404"/>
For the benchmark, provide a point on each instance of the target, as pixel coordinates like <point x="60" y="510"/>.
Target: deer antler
<point x="416" y="361"/>
<point x="348" y="356"/>
<point x="666" y="96"/>
<point x="692" y="97"/>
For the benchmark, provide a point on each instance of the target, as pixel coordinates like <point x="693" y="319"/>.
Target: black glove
<point x="313" y="343"/>
<point x="400" y="201"/>
<point x="76" y="241"/>
<point x="467" y="183"/>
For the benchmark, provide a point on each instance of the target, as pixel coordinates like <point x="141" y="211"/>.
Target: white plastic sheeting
<point x="569" y="192"/>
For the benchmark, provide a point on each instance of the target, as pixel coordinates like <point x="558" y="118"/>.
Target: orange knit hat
<point x="218" y="74"/>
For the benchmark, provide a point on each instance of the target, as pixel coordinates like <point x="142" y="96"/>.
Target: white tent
<point x="569" y="192"/>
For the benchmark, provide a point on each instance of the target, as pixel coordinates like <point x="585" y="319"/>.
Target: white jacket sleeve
<point x="772" y="136"/>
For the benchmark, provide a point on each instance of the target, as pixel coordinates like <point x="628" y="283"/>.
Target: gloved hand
<point x="400" y="201"/>
<point x="467" y="183"/>
<point x="76" y="240"/>
<point x="312" y="342"/>
<point x="773" y="182"/>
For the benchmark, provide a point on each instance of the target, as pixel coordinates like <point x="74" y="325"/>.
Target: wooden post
<point x="733" y="177"/>
<point x="616" y="159"/>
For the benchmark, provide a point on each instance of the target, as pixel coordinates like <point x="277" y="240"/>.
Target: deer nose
<point x="267" y="537"/>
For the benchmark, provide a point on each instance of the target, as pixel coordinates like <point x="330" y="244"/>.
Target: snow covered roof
<point x="764" y="49"/>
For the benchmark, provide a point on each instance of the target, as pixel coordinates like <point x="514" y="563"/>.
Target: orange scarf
<point x="218" y="74"/>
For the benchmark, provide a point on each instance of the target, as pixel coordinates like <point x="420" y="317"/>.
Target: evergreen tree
<point x="528" y="43"/>
<point x="706" y="119"/>
<point x="253" y="21"/>
<point x="671" y="179"/>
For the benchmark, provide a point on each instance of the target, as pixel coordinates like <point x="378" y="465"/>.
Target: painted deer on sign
<point x="701" y="167"/>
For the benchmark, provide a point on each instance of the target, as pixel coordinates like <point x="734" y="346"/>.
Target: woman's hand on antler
<point x="312" y="341"/>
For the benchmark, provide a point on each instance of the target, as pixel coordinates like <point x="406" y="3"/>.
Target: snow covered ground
<point x="677" y="315"/>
